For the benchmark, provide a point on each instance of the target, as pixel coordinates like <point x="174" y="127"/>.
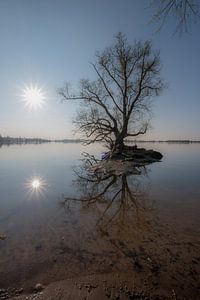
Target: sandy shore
<point x="99" y="287"/>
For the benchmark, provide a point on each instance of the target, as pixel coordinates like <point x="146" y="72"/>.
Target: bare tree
<point x="185" y="12"/>
<point x="117" y="104"/>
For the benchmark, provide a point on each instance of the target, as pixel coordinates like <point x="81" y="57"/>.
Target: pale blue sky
<point x="48" y="42"/>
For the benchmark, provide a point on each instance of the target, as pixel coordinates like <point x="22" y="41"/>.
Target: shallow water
<point x="148" y="224"/>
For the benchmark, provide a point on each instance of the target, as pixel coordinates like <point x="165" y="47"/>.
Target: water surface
<point x="148" y="224"/>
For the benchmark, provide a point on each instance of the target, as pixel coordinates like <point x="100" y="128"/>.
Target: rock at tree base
<point x="140" y="155"/>
<point x="128" y="162"/>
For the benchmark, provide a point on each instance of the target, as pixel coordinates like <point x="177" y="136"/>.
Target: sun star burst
<point x="36" y="185"/>
<point x="34" y="97"/>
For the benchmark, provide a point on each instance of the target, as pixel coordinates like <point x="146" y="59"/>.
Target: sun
<point x="36" y="184"/>
<point x="34" y="97"/>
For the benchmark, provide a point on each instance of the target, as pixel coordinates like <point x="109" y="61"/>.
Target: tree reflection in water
<point x="119" y="229"/>
<point x="120" y="203"/>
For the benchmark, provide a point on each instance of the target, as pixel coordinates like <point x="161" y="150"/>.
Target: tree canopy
<point x="117" y="104"/>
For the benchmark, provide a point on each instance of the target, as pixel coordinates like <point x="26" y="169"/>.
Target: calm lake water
<point x="148" y="223"/>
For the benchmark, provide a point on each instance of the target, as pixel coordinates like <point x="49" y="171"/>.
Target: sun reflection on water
<point x="36" y="185"/>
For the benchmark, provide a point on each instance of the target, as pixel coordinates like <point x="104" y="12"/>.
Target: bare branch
<point x="141" y="131"/>
<point x="106" y="88"/>
<point x="185" y="12"/>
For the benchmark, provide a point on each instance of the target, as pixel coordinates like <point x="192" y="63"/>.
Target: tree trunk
<point x="118" y="146"/>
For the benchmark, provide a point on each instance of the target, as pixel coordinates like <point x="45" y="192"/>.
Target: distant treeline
<point x="7" y="140"/>
<point x="165" y="141"/>
<point x="22" y="140"/>
<point x="69" y="141"/>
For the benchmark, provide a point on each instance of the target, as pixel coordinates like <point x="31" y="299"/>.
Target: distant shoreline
<point x="167" y="141"/>
<point x="23" y="141"/>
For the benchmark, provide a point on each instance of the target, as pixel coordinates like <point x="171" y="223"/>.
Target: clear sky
<point x="48" y="42"/>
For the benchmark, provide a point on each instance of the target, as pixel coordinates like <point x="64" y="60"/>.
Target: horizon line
<point x="19" y="139"/>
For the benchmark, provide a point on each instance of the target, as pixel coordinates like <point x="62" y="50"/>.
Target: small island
<point x="126" y="162"/>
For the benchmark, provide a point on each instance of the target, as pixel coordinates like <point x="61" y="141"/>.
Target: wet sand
<point x="156" y="260"/>
<point x="99" y="287"/>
